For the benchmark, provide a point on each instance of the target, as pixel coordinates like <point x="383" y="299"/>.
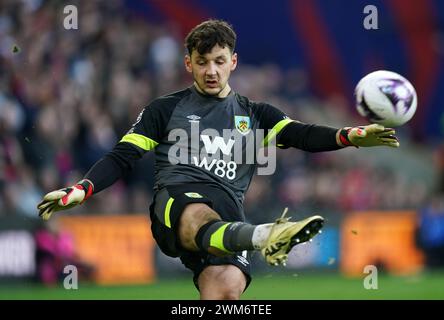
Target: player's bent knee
<point x="224" y="291"/>
<point x="226" y="282"/>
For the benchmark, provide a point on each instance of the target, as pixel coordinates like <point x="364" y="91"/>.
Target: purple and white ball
<point x="385" y="97"/>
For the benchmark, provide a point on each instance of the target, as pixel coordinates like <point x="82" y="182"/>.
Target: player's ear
<point x="233" y="61"/>
<point x="187" y="62"/>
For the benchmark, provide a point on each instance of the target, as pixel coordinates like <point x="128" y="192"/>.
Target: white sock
<point x="260" y="235"/>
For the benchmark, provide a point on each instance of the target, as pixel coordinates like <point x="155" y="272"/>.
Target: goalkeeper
<point x="197" y="209"/>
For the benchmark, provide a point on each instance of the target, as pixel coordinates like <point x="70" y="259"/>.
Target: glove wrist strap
<point x="343" y="137"/>
<point x="87" y="186"/>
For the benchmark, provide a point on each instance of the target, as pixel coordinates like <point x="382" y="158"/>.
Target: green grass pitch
<point x="301" y="286"/>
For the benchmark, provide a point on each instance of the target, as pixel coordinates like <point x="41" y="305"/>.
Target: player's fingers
<point x="46" y="216"/>
<point x="45" y="209"/>
<point x="42" y="205"/>
<point x="386" y="133"/>
<point x="391" y="143"/>
<point x="374" y="128"/>
<point x="54" y="195"/>
<point x="47" y="212"/>
<point x="388" y="139"/>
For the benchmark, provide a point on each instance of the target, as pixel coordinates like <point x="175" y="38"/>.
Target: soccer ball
<point x="386" y="97"/>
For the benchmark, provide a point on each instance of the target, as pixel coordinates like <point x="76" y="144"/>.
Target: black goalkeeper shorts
<point x="169" y="203"/>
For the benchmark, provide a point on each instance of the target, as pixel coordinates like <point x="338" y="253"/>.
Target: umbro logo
<point x="193" y="118"/>
<point x="243" y="260"/>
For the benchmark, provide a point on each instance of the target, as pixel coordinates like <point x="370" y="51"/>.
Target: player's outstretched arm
<point x="316" y="138"/>
<point x="367" y="136"/>
<point x="66" y="198"/>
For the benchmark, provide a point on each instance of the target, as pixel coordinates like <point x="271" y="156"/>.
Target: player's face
<point x="212" y="70"/>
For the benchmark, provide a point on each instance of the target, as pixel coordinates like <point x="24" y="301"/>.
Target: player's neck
<point x="225" y="92"/>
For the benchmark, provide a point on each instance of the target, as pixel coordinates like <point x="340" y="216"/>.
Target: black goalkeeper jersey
<point x="199" y="138"/>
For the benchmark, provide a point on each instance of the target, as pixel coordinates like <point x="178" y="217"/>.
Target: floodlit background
<point x="67" y="96"/>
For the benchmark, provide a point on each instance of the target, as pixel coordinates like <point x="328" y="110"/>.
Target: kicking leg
<point x="201" y="228"/>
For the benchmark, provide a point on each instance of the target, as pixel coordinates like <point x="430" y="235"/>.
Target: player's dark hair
<point x="206" y="35"/>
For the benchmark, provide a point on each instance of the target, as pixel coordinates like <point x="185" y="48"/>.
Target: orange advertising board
<point x="120" y="247"/>
<point x="380" y="238"/>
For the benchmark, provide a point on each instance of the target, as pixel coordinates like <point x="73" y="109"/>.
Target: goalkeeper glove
<point x="65" y="198"/>
<point x="368" y="136"/>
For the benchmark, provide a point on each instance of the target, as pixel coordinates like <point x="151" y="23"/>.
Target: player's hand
<point x="369" y="136"/>
<point x="65" y="198"/>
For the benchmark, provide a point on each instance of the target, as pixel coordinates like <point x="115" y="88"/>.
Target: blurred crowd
<point x="67" y="96"/>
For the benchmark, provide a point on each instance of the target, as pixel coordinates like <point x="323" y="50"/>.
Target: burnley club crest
<point x="242" y="124"/>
